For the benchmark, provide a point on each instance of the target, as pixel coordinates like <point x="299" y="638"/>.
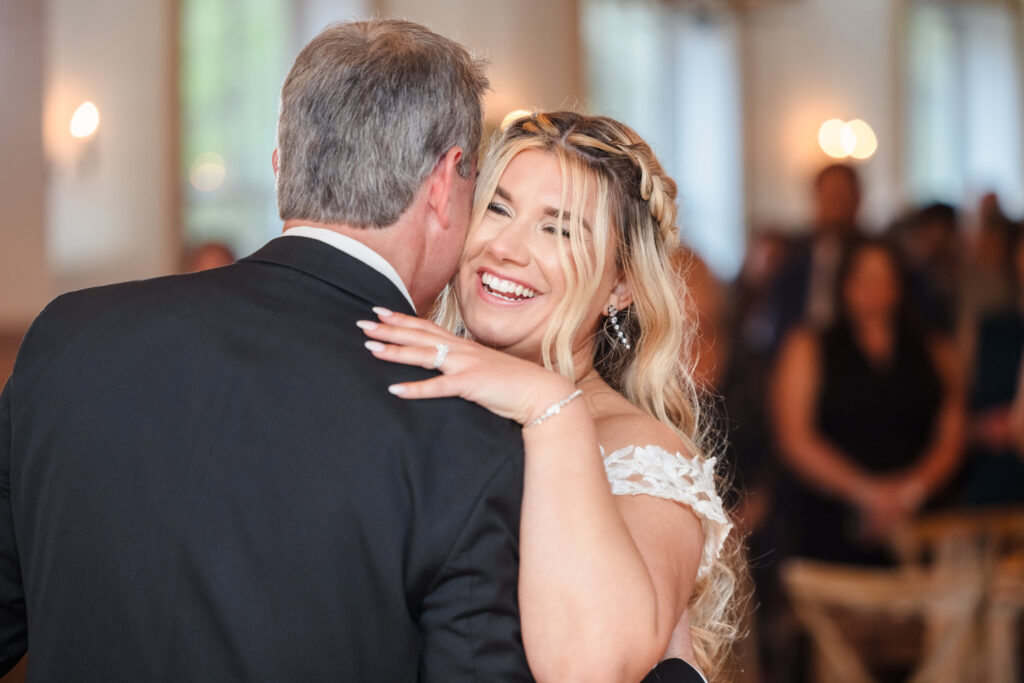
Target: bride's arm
<point x="603" y="580"/>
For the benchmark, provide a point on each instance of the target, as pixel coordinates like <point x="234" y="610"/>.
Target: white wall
<point x="808" y="62"/>
<point x="533" y="46"/>
<point x="112" y="200"/>
<point x="312" y="16"/>
<point x="24" y="275"/>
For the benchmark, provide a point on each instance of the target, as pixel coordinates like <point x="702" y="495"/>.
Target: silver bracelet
<point x="555" y="409"/>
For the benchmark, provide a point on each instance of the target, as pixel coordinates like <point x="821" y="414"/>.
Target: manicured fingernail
<point x="374" y="345"/>
<point x="367" y="324"/>
<point x="397" y="389"/>
<point x="382" y="312"/>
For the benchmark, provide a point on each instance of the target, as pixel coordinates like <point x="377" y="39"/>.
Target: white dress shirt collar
<point x="356" y="250"/>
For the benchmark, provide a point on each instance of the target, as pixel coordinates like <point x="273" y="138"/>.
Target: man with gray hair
<point x="204" y="477"/>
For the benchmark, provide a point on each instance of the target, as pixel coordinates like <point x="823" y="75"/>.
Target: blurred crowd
<point x="864" y="379"/>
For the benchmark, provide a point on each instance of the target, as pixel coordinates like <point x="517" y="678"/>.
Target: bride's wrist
<point x="549" y="402"/>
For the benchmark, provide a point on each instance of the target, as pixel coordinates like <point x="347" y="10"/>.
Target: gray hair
<point x="367" y="111"/>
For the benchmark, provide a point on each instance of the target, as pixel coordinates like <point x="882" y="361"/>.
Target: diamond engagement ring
<point x="442" y="353"/>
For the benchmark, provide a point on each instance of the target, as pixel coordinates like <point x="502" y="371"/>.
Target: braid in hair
<point x="660" y="200"/>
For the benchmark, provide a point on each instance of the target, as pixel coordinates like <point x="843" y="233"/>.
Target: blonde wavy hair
<point x="635" y="222"/>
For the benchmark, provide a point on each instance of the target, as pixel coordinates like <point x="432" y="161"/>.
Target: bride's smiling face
<point x="511" y="280"/>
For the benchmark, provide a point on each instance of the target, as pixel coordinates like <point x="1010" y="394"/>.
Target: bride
<point x="576" y="322"/>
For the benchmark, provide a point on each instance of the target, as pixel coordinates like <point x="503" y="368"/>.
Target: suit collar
<point x="356" y="249"/>
<point x="335" y="267"/>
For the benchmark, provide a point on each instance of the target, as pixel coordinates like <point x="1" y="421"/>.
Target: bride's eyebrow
<point x="565" y="216"/>
<point x="503" y="193"/>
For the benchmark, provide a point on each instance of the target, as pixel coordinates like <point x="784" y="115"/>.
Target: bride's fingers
<point x="435" y="387"/>
<point x="408" y="321"/>
<point x="422" y="356"/>
<point x="402" y="335"/>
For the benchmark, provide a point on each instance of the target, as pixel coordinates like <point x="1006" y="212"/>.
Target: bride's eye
<point x="494" y="207"/>
<point x="551" y="229"/>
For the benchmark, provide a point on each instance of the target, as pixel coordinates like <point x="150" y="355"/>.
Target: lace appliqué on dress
<point x="653" y="471"/>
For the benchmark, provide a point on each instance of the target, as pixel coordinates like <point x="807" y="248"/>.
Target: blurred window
<point x="674" y="76"/>
<point x="234" y="57"/>
<point x="964" y="101"/>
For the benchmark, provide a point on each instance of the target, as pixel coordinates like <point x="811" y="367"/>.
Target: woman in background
<point x="869" y="414"/>
<point x="567" y="289"/>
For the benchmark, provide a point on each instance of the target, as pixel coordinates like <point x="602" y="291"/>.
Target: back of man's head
<point x="367" y="111"/>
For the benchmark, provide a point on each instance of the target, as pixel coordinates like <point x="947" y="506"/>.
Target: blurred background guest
<point x="991" y="263"/>
<point x="1017" y="416"/>
<point x="707" y="308"/>
<point x="995" y="470"/>
<point x="207" y="256"/>
<point x="803" y="290"/>
<point x="749" y="330"/>
<point x="868" y="413"/>
<point x="987" y="282"/>
<point x="931" y="245"/>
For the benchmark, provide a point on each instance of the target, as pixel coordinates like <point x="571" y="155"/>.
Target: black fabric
<point x="673" y="671"/>
<point x="997" y="359"/>
<point x="882" y="417"/>
<point x="995" y="476"/>
<point x="204" y="478"/>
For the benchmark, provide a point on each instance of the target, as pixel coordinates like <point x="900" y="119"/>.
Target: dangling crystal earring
<point x="613" y="317"/>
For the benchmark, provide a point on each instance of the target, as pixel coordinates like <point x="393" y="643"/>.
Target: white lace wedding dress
<point x="653" y="471"/>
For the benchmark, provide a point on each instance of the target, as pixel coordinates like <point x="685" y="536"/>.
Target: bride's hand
<point x="505" y="385"/>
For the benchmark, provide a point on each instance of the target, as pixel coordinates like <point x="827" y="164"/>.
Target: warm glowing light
<point x="85" y="120"/>
<point x="207" y="172"/>
<point x="840" y="139"/>
<point x="514" y="116"/>
<point x="848" y="140"/>
<point x="830" y="138"/>
<point x="866" y="141"/>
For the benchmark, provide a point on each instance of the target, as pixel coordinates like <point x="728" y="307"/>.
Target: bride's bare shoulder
<point x="627" y="425"/>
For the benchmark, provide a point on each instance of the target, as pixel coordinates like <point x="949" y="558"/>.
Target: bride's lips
<point x="487" y="295"/>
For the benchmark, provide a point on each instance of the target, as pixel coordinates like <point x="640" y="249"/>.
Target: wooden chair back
<point x="945" y="603"/>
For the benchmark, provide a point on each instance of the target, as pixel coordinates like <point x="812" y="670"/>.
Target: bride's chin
<point x="502" y="341"/>
<point x="486" y="335"/>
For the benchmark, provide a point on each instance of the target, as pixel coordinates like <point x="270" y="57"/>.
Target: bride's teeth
<point x="503" y="287"/>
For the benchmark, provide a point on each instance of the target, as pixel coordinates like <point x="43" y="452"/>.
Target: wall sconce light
<point x="847" y="139"/>
<point x="85" y="121"/>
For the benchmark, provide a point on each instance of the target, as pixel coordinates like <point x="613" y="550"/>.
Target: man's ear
<point x="274" y="161"/>
<point x="442" y="180"/>
<point x="621" y="295"/>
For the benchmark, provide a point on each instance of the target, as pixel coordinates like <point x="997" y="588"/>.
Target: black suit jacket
<point x="204" y="478"/>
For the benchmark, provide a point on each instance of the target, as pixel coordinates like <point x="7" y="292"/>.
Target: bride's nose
<point x="509" y="245"/>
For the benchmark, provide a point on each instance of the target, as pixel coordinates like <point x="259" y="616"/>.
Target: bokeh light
<point x="208" y="172"/>
<point x="866" y="143"/>
<point x="844" y="139"/>
<point x="830" y="138"/>
<point x="85" y="121"/>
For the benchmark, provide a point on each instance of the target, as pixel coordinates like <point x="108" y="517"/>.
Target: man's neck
<point x="389" y="243"/>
